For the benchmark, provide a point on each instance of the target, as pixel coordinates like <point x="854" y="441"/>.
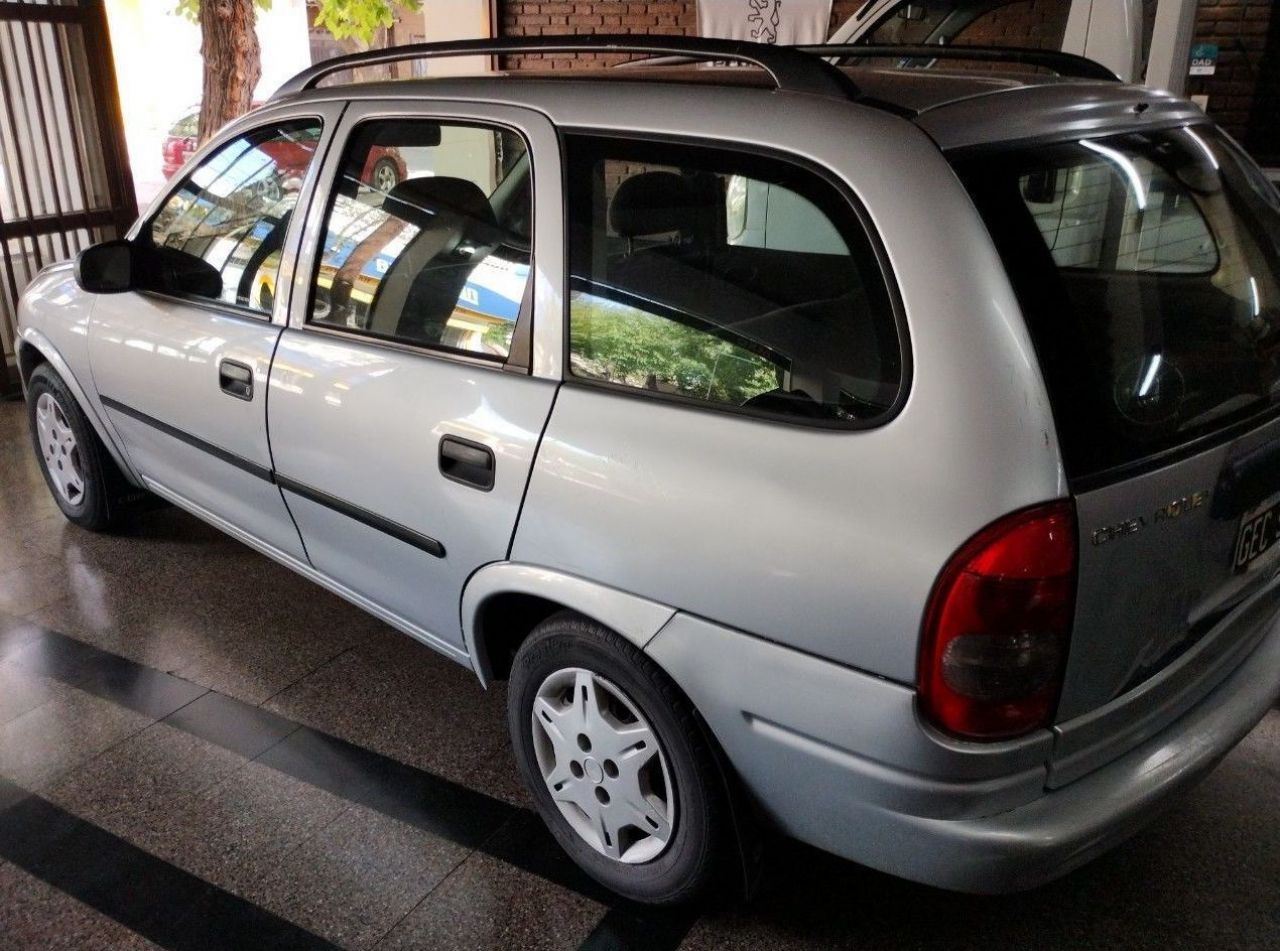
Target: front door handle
<point x="470" y="463"/>
<point x="236" y="379"/>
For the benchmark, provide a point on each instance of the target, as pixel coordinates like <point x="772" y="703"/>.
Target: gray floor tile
<point x="60" y="734"/>
<point x="35" y="915"/>
<point x="487" y="904"/>
<point x="355" y="879"/>
<point x="142" y="778"/>
<point x="21" y="691"/>
<point x="36" y="583"/>
<point x="236" y="831"/>
<point x="399" y="698"/>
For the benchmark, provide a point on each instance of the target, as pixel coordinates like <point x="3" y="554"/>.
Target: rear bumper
<point x="1066" y="828"/>
<point x="828" y="779"/>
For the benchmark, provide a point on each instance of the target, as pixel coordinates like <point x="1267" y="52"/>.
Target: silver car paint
<point x="815" y="784"/>
<point x="54" y="323"/>
<point x="824" y="543"/>
<point x="634" y="618"/>
<point x="361" y="420"/>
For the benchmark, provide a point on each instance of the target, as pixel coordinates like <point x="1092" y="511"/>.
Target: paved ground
<point x="200" y="750"/>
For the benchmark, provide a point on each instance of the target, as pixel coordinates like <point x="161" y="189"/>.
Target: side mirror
<point x="106" y="268"/>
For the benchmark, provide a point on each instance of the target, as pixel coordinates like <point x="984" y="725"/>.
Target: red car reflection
<point x="384" y="170"/>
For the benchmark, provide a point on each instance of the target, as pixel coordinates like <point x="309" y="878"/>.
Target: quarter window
<point x="428" y="237"/>
<point x="232" y="212"/>
<point x="727" y="279"/>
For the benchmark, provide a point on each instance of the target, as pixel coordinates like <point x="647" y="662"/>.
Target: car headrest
<point x="441" y="201"/>
<point x="654" y="203"/>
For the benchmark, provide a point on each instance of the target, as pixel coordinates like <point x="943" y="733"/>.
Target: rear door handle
<point x="236" y="379"/>
<point x="467" y="462"/>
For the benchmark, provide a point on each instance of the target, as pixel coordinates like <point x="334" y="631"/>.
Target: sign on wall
<point x="765" y="21"/>
<point x="1204" y="59"/>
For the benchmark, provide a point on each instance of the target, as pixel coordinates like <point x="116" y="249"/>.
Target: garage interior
<point x="201" y="749"/>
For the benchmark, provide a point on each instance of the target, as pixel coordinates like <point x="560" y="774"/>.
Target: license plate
<point x="1259" y="532"/>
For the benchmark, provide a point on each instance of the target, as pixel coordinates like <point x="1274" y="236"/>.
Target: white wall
<point x="159" y="69"/>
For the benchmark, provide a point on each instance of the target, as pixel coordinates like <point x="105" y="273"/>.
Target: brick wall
<point x="1035" y="23"/>
<point x="1244" y="94"/>
<point x="665" y="17"/>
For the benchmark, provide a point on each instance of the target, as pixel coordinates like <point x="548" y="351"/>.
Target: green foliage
<point x="357" y="19"/>
<point x="620" y="344"/>
<point x="360" y="19"/>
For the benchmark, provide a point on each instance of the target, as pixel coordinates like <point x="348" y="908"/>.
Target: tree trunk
<point x="232" y="62"/>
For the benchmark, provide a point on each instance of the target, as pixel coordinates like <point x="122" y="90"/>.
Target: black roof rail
<point x="790" y="69"/>
<point x="1064" y="64"/>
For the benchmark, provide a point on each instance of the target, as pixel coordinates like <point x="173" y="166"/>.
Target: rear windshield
<point x="1146" y="267"/>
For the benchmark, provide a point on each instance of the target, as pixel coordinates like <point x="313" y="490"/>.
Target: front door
<point x="182" y="365"/>
<point x="403" y="413"/>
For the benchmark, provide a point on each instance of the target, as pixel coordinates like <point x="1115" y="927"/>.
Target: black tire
<point x="702" y="842"/>
<point x="101" y="505"/>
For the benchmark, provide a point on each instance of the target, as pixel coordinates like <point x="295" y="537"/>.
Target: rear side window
<point x="725" y="279"/>
<point x="1146" y="265"/>
<point x="428" y="237"/>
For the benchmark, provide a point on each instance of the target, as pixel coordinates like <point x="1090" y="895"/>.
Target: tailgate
<point x="1147" y="265"/>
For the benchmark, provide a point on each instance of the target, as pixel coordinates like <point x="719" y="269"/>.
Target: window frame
<point x="253" y="122"/>
<point x="861" y="217"/>
<point x="519" y="356"/>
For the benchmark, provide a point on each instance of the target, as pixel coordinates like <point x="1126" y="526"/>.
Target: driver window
<point x="436" y="253"/>
<point x="232" y="212"/>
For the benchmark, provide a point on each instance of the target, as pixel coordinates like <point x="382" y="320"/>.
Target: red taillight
<point x="995" y="633"/>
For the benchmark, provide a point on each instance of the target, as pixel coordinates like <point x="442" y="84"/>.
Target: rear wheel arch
<point x="504" y="602"/>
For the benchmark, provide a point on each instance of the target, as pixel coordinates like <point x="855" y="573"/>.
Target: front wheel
<point x="81" y="474"/>
<point x="617" y="762"/>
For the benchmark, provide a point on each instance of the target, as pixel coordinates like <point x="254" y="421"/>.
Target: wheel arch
<point x="35" y="350"/>
<point x="503" y="602"/>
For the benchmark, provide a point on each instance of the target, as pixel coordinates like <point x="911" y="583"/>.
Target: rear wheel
<point x="617" y="762"/>
<point x="81" y="474"/>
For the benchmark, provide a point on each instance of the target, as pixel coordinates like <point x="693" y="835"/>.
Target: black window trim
<point x="566" y="136"/>
<point x="519" y="358"/>
<point x="142" y="231"/>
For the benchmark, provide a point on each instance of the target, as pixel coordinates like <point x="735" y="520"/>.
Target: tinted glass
<point x="727" y="279"/>
<point x="1147" y="269"/>
<point x="232" y="212"/>
<point x="428" y="237"/>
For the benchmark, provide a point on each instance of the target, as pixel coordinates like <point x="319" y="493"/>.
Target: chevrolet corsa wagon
<point x="886" y="456"/>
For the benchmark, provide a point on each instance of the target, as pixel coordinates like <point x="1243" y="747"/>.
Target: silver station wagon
<point x="885" y="455"/>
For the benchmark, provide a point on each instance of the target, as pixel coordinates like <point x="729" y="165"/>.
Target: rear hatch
<point x="1146" y="264"/>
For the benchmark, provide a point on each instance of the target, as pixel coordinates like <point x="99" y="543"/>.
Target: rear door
<point x="403" y="413"/>
<point x="182" y="365"/>
<point x="1148" y="265"/>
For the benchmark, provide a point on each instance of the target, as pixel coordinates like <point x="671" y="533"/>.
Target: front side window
<point x="225" y="224"/>
<point x="726" y="279"/>
<point x="428" y="236"/>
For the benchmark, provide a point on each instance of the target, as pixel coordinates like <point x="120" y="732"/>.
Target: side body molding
<point x="87" y="398"/>
<point x="635" y="618"/>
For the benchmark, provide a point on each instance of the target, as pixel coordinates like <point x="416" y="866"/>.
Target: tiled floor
<point x="200" y="750"/>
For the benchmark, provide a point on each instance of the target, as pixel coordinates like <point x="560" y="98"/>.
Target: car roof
<point x="953" y="105"/>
